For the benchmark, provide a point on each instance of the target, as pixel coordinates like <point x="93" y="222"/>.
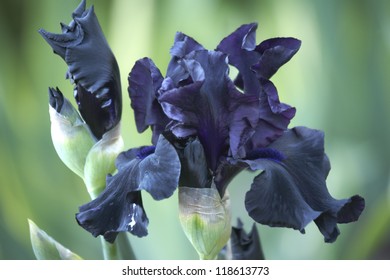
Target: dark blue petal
<point x="114" y="211"/>
<point x="119" y="207"/>
<point x="274" y="117"/>
<point x="182" y="46"/>
<point x="93" y="68"/>
<point x="211" y="105"/>
<point x="240" y="48"/>
<point x="144" y="82"/>
<point x="160" y="171"/>
<point x="293" y="192"/>
<point x="225" y="173"/>
<point x="275" y="52"/>
<point x="245" y="246"/>
<point x="264" y="59"/>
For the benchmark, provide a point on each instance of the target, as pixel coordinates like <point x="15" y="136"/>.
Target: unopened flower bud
<point x="205" y="219"/>
<point x="71" y="137"/>
<point x="100" y="161"/>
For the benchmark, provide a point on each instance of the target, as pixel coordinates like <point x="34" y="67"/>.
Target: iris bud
<point x="100" y="161"/>
<point x="79" y="150"/>
<point x="205" y="219"/>
<point x="71" y="136"/>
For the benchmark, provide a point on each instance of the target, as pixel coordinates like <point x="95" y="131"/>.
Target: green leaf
<point x="46" y="248"/>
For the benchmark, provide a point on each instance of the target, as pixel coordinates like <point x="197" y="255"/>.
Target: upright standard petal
<point x="210" y="106"/>
<point x="243" y="53"/>
<point x="291" y="191"/>
<point x="274" y="52"/>
<point x="119" y="207"/>
<point x="274" y="117"/>
<point x="240" y="46"/>
<point x="144" y="82"/>
<point x="93" y="68"/>
<point x="265" y="59"/>
<point x="182" y="46"/>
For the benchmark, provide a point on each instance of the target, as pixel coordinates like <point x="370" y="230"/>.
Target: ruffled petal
<point x="114" y="211"/>
<point x="182" y="46"/>
<point x="274" y="117"/>
<point x="93" y="68"/>
<point x="264" y="59"/>
<point x="240" y="48"/>
<point x="291" y="191"/>
<point x="119" y="207"/>
<point x="211" y="105"/>
<point x="145" y="79"/>
<point x="274" y="53"/>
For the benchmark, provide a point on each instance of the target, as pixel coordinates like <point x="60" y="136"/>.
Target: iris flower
<point x="240" y="125"/>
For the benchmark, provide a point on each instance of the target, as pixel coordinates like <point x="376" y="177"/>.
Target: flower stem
<point x="110" y="251"/>
<point x="124" y="246"/>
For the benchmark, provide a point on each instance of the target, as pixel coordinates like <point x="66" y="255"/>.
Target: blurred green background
<point x="339" y="82"/>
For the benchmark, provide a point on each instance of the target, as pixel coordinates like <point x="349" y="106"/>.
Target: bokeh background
<point x="339" y="82"/>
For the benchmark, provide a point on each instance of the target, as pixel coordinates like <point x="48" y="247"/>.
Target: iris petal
<point x="144" y="82"/>
<point x="119" y="207"/>
<point x="240" y="46"/>
<point x="245" y="246"/>
<point x="292" y="192"/>
<point x="275" y="52"/>
<point x="274" y="117"/>
<point x="159" y="172"/>
<point x="182" y="46"/>
<point x="243" y="53"/>
<point x="264" y="59"/>
<point x="211" y="105"/>
<point x="92" y="66"/>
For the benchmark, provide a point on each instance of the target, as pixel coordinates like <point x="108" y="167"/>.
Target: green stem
<point x="110" y="251"/>
<point x="124" y="246"/>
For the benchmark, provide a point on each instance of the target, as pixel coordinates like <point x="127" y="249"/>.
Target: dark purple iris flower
<point x="92" y="67"/>
<point x="221" y="127"/>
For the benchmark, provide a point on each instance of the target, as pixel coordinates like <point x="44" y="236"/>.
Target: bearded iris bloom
<point x="87" y="141"/>
<point x="241" y="125"/>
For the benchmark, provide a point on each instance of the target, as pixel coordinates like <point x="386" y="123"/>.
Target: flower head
<point x="240" y="125"/>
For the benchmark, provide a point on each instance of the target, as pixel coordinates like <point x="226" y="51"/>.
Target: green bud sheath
<point x="100" y="161"/>
<point x="71" y="137"/>
<point x="205" y="219"/>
